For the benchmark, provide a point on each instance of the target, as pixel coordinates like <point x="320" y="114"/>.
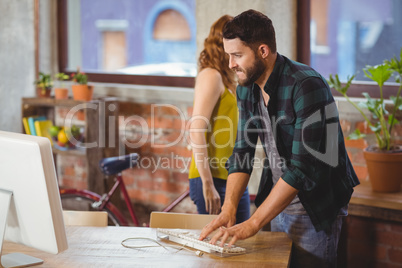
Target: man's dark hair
<point x="253" y="28"/>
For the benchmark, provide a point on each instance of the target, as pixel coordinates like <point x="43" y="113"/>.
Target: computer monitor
<point x="30" y="206"/>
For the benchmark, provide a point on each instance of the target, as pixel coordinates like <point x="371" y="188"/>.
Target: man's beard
<point x="252" y="73"/>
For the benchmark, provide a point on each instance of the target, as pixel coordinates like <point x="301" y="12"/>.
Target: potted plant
<point x="81" y="90"/>
<point x="44" y="85"/>
<point x="61" y="92"/>
<point x="384" y="160"/>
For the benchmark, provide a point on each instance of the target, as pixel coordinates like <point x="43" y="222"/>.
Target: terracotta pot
<point x="384" y="171"/>
<point x="80" y="115"/>
<point x="61" y="93"/>
<point x="40" y="93"/>
<point x="82" y="92"/>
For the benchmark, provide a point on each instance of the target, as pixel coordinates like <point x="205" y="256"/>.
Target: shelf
<point x="51" y="102"/>
<point x="384" y="206"/>
<point x="77" y="152"/>
<point x="364" y="195"/>
<point x="99" y="119"/>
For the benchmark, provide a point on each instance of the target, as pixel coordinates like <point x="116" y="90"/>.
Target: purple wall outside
<point x="135" y="12"/>
<point x="388" y="43"/>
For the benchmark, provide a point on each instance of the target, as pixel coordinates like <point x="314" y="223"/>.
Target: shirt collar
<point x="272" y="83"/>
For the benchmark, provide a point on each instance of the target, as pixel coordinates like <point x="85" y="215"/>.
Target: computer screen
<point x="30" y="203"/>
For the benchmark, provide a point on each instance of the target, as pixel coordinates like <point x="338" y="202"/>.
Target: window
<point x="114" y="52"/>
<point x="171" y="25"/>
<point x="146" y="42"/>
<point x="347" y="35"/>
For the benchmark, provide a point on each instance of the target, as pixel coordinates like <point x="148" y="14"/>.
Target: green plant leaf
<point x="44" y="81"/>
<point x="392" y="120"/>
<point x="395" y="65"/>
<point x="373" y="105"/>
<point x="80" y="77"/>
<point x="376" y="128"/>
<point x="379" y="73"/>
<point x="335" y="83"/>
<point x="397" y="102"/>
<point x="356" y="135"/>
<point x="62" y="76"/>
<point x="381" y="120"/>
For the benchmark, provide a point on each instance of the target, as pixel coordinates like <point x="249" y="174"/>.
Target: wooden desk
<point x="100" y="247"/>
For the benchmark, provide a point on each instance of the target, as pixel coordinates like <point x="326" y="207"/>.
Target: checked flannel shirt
<point x="308" y="136"/>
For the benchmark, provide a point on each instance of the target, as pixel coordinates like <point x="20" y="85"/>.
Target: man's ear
<point x="263" y="50"/>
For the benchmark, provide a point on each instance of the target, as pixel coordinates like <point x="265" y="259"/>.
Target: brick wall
<point x="369" y="242"/>
<point x="72" y="169"/>
<point x="159" y="134"/>
<point x="373" y="243"/>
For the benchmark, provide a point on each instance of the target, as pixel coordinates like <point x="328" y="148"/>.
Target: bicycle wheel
<point x="84" y="203"/>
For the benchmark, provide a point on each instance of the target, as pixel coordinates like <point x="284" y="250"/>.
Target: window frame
<point x="303" y="55"/>
<point x="168" y="81"/>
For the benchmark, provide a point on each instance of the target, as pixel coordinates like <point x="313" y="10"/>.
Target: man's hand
<point x="237" y="232"/>
<point x="224" y="219"/>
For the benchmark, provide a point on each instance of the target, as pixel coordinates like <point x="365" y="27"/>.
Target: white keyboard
<point x="190" y="239"/>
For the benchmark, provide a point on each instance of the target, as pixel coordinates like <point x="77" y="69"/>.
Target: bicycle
<point x="85" y="200"/>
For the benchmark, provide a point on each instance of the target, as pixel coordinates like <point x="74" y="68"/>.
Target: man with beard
<point x="307" y="184"/>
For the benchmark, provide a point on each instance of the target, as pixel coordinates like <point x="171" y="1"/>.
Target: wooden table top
<point x="101" y="247"/>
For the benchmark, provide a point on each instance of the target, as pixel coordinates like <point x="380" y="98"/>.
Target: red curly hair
<point x="214" y="56"/>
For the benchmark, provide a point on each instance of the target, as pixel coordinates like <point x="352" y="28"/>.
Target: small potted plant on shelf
<point x="61" y="92"/>
<point x="384" y="160"/>
<point x="44" y="85"/>
<point x="81" y="90"/>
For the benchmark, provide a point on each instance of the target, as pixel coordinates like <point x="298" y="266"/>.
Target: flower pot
<point x="384" y="171"/>
<point x="61" y="93"/>
<point x="43" y="93"/>
<point x="80" y="115"/>
<point x="82" y="92"/>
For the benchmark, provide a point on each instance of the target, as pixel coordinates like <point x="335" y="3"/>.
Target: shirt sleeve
<point x="242" y="157"/>
<point x="312" y="144"/>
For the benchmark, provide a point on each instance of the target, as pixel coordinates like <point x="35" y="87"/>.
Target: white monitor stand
<point x="13" y="259"/>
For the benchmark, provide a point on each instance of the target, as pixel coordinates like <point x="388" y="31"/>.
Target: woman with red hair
<point x="213" y="127"/>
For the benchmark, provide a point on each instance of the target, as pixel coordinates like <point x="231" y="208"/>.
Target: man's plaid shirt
<point x="308" y="135"/>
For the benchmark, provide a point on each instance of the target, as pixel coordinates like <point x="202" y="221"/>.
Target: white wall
<point x="17" y="60"/>
<point x="282" y="13"/>
<point x="48" y="36"/>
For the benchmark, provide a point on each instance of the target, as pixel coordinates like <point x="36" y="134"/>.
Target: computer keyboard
<point x="190" y="239"/>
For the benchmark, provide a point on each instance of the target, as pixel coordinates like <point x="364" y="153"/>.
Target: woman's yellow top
<point x="220" y="136"/>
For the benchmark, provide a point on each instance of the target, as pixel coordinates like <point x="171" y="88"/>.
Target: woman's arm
<point x="208" y="88"/>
